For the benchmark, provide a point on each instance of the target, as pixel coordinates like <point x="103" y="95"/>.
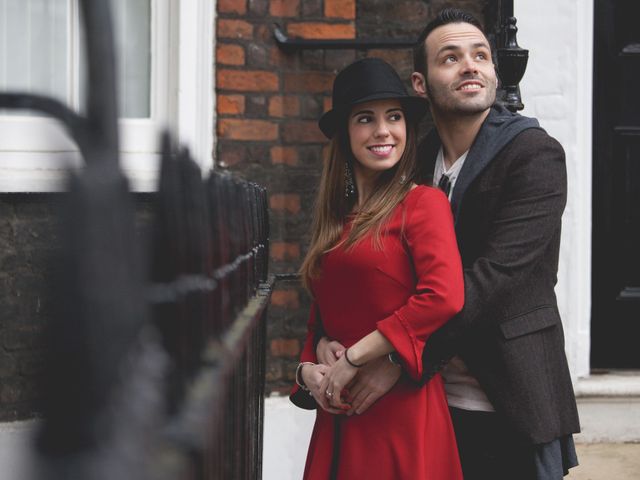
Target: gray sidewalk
<point x="607" y="461"/>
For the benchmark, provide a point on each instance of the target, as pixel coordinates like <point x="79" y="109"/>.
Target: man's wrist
<point x="394" y="358"/>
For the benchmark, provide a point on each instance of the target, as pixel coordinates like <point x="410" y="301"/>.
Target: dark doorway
<point x="615" y="324"/>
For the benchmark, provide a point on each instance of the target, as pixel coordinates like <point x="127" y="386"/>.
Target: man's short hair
<point x="445" y="17"/>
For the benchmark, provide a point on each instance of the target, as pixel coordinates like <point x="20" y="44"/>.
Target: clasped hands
<point x="341" y="388"/>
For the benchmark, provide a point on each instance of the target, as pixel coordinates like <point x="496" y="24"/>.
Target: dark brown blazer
<point x="508" y="203"/>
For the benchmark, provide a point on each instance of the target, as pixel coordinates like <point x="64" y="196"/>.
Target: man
<point x="502" y="358"/>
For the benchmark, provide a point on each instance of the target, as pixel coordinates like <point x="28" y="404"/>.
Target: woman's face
<point x="377" y="135"/>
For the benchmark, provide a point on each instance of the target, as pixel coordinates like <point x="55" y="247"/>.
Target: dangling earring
<point x="349" y="186"/>
<point x="403" y="179"/>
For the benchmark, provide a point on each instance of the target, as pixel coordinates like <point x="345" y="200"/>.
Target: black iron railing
<point x="210" y="294"/>
<point x="155" y="369"/>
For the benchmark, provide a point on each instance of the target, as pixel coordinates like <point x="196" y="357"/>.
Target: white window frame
<point x="35" y="152"/>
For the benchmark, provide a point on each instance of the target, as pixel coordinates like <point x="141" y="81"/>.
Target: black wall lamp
<point x="512" y="60"/>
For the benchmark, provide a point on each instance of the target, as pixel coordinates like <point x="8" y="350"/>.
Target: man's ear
<point x="419" y="84"/>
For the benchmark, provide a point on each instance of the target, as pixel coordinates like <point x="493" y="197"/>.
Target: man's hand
<point x="328" y="352"/>
<point x="374" y="380"/>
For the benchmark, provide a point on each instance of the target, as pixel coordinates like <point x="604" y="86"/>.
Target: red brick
<point x="326" y="104"/>
<point x="232" y="6"/>
<point x="285" y="298"/>
<point x="279" y="58"/>
<point x="263" y="34"/>
<point x="284" y="8"/>
<point x="285" y="347"/>
<point x="284" y="156"/>
<point x="247" y="80"/>
<point x="308" y="82"/>
<point x="231" y="154"/>
<point x="340" y="9"/>
<point x="280" y="106"/>
<point x="401" y="60"/>
<point x="234" y="29"/>
<point x="282" y="251"/>
<point x="230" y="54"/>
<point x="230" y="104"/>
<point x="320" y="30"/>
<point x="289" y="202"/>
<point x="240" y="129"/>
<point x="302" y="132"/>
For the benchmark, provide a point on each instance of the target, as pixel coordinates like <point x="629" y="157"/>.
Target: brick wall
<point x="268" y="105"/>
<point x="29" y="239"/>
<point x="26" y="239"/>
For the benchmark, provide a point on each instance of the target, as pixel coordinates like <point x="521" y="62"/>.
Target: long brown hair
<point x="332" y="207"/>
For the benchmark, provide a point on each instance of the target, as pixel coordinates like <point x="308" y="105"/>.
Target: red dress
<point x="406" y="290"/>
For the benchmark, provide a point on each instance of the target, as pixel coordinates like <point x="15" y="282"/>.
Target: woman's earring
<point x="403" y="179"/>
<point x="349" y="186"/>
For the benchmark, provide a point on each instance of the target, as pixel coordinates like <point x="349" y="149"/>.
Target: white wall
<point x="287" y="430"/>
<point x="557" y="89"/>
<point x="16" y="443"/>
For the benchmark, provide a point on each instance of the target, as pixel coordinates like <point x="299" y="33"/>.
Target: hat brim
<point x="414" y="108"/>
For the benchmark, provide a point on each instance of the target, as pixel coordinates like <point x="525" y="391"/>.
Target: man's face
<point x="461" y="78"/>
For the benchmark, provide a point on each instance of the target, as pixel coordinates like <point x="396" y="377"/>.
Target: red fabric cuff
<point x="408" y="347"/>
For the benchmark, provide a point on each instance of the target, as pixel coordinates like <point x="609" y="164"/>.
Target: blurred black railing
<point x="210" y="294"/>
<point x="155" y="369"/>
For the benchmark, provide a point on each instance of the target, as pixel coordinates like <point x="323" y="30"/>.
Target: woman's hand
<point x="334" y="381"/>
<point x="329" y="351"/>
<point x="341" y="373"/>
<point x="312" y="376"/>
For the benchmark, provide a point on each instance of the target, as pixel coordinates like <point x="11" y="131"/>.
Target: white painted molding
<point x="195" y="93"/>
<point x="557" y="89"/>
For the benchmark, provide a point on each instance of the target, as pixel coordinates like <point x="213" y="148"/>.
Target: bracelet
<point x="299" y="380"/>
<point x="346" y="357"/>
<point x="393" y="358"/>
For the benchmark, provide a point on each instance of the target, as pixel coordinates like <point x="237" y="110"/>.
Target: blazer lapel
<point x="498" y="129"/>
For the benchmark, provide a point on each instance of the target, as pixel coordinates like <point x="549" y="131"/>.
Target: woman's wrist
<point x="351" y="362"/>
<point x="299" y="378"/>
<point x="368" y="348"/>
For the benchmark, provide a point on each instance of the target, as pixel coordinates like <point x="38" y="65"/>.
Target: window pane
<point x="133" y="39"/>
<point x="33" y="46"/>
<point x="132" y="30"/>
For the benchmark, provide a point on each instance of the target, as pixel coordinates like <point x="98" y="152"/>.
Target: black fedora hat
<point x="365" y="80"/>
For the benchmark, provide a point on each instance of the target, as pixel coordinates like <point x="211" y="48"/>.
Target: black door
<point x="615" y="327"/>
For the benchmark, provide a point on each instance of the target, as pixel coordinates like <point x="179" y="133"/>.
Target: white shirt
<point x="463" y="389"/>
<point x="452" y="172"/>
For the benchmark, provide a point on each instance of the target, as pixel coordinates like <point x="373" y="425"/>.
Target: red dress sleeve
<point x="298" y="396"/>
<point x="439" y="293"/>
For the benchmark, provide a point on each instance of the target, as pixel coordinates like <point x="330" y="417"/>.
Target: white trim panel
<point x="557" y="89"/>
<point x="196" y="84"/>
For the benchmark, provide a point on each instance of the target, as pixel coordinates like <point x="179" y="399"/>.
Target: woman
<point x="384" y="271"/>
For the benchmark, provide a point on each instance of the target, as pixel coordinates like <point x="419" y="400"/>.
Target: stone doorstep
<point x="609" y="407"/>
<point x="616" y="384"/>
